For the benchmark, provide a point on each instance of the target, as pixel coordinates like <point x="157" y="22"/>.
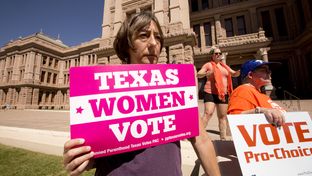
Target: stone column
<point x="268" y="89"/>
<point x="83" y="60"/>
<point x="25" y="98"/>
<point x="263" y="54"/>
<point x="53" y="62"/>
<point x="35" y="98"/>
<point x="58" y="100"/>
<point x="159" y="11"/>
<point x="48" y="61"/>
<point x="14" y="97"/>
<point x="61" y="73"/>
<point x="94" y="56"/>
<point x="53" y="98"/>
<point x="29" y="67"/>
<point x="37" y="69"/>
<point x="185" y="14"/>
<point x="45" y="77"/>
<point x="9" y="96"/>
<point x="106" y="19"/>
<point x="67" y="100"/>
<point x="62" y="100"/>
<point x="29" y="93"/>
<point x="87" y="57"/>
<point x="253" y="19"/>
<point x="224" y="56"/>
<point x="5" y="74"/>
<point x="1" y="97"/>
<point x="22" y="99"/>
<point x="118" y="16"/>
<point x="173" y="8"/>
<point x="218" y="28"/>
<point x="51" y="78"/>
<point x="43" y="99"/>
<point x="72" y="63"/>
<point x="213" y="34"/>
<point x="16" y="71"/>
<point x="2" y="70"/>
<point x="202" y="36"/>
<point x="49" y="98"/>
<point x="175" y="25"/>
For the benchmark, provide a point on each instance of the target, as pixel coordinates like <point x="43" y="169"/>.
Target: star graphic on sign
<point x="191" y="97"/>
<point x="79" y="110"/>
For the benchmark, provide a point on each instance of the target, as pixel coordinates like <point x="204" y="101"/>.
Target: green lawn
<point x="19" y="162"/>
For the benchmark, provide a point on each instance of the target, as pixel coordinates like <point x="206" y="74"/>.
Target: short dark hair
<point x="124" y="37"/>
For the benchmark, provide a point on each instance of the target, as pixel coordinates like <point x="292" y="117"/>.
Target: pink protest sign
<point x="121" y="108"/>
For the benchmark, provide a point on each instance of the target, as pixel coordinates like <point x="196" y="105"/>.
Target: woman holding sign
<point x="217" y="88"/>
<point x="248" y="98"/>
<point x="139" y="41"/>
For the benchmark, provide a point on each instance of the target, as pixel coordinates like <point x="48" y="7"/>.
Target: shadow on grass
<point x="20" y="162"/>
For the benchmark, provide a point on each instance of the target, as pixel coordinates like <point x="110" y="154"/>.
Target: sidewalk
<point x="46" y="131"/>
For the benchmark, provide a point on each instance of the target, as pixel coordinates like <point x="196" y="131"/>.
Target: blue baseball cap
<point x="251" y="65"/>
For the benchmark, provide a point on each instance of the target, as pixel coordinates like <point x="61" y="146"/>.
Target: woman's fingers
<point x="80" y="169"/>
<point x="69" y="151"/>
<point x="75" y="152"/>
<point x="72" y="143"/>
<point x="76" y="157"/>
<point x="79" y="164"/>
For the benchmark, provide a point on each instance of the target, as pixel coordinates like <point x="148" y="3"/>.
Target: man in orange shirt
<point x="248" y="99"/>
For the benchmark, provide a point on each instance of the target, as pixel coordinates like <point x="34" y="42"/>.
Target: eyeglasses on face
<point x="217" y="53"/>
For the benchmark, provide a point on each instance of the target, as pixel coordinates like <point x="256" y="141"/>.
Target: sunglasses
<point x="217" y="53"/>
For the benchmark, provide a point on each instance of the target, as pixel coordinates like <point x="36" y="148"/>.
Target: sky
<point x="74" y="21"/>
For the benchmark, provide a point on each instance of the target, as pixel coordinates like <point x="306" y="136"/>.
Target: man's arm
<point x="273" y="116"/>
<point x="238" y="105"/>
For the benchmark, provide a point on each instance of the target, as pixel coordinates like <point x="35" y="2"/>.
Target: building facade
<point x="272" y="30"/>
<point x="34" y="70"/>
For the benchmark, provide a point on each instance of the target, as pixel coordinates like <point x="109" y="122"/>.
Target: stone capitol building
<point x="34" y="70"/>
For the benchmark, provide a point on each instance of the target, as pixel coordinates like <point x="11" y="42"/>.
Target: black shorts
<point x="215" y="98"/>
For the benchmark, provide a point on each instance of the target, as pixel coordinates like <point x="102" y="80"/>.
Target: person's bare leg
<point x="209" y="109"/>
<point x="228" y="130"/>
<point x="222" y="112"/>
